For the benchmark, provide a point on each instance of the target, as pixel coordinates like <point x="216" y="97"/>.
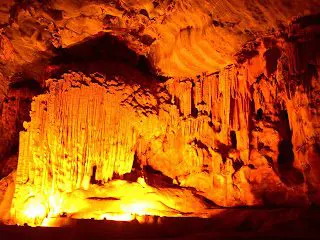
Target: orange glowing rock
<point x="246" y="135"/>
<point x="220" y="134"/>
<point x="86" y="123"/>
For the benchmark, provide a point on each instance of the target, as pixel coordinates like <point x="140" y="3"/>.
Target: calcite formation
<point x="157" y="107"/>
<point x="87" y="129"/>
<point x="247" y="135"/>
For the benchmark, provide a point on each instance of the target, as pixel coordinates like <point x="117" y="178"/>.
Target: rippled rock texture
<point x="175" y="35"/>
<point x="247" y="135"/>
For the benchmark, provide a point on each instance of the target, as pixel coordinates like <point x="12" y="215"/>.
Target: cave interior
<point x="155" y="119"/>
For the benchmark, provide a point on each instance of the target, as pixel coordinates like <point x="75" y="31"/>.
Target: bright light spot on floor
<point x="34" y="209"/>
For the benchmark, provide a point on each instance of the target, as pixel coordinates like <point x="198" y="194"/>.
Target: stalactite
<point x="74" y="128"/>
<point x="183" y="128"/>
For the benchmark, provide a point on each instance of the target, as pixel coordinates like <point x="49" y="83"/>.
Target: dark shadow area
<point x="309" y="20"/>
<point x="272" y="55"/>
<point x="107" y="55"/>
<point x="194" y="110"/>
<point x="310" y="73"/>
<point x="100" y="47"/>
<point x="26" y="83"/>
<point x="224" y="224"/>
<point x="15" y="110"/>
<point x="237" y="164"/>
<point x="156" y="178"/>
<point x="93" y="175"/>
<point x="288" y="173"/>
<point x="223" y="149"/>
<point x="259" y="115"/>
<point x="233" y="138"/>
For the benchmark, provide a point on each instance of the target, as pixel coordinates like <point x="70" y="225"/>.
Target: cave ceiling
<point x="179" y="38"/>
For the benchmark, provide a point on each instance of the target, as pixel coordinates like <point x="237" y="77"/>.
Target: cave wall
<point x="14" y="110"/>
<point x="247" y="135"/>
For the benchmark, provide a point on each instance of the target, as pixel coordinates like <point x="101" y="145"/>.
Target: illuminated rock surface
<point x="236" y="124"/>
<point x="231" y="135"/>
<point x="175" y="35"/>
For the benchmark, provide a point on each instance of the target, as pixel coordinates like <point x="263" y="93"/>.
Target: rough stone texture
<point x="7" y="189"/>
<point x="180" y="38"/>
<point x="8" y="165"/>
<point x="14" y="110"/>
<point x="247" y="134"/>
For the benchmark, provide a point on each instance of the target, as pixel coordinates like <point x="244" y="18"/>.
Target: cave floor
<point x="240" y="223"/>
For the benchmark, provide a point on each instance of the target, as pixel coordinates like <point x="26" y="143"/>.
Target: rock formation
<point x="233" y="120"/>
<point x="175" y="35"/>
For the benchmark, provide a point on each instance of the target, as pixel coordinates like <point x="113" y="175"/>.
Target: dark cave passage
<point x="289" y="174"/>
<point x="272" y="55"/>
<point x="107" y="55"/>
<point x="259" y="115"/>
<point x="93" y="175"/>
<point x="14" y="111"/>
<point x="286" y="155"/>
<point x="233" y="137"/>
